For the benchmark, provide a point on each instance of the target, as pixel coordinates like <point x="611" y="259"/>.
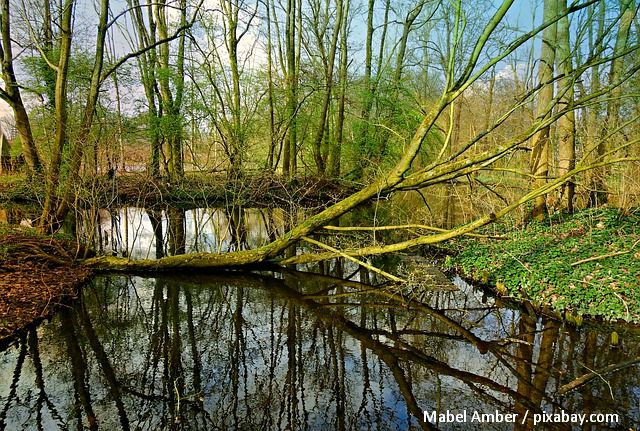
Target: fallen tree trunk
<point x="442" y="169"/>
<point x="270" y="253"/>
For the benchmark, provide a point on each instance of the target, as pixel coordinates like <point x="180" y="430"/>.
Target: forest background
<point x="541" y="99"/>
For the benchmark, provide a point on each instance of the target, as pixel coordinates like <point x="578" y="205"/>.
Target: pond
<point x="317" y="347"/>
<point x="295" y="350"/>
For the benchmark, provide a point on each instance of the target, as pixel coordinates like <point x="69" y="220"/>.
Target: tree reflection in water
<point x="293" y="350"/>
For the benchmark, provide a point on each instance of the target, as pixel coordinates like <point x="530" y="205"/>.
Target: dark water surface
<point x="295" y="350"/>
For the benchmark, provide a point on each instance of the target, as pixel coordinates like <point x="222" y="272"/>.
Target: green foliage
<point x="43" y="77"/>
<point x="18" y="188"/>
<point x="546" y="263"/>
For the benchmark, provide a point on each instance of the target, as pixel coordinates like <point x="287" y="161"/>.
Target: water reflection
<point x="301" y="351"/>
<point x="148" y="233"/>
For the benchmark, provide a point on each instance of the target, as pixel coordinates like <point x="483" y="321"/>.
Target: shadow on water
<point x="293" y="350"/>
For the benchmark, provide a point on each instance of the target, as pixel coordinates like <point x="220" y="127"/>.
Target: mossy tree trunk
<point x="566" y="123"/>
<point x="541" y="145"/>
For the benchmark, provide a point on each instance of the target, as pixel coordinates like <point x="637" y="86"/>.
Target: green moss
<point x="543" y="263"/>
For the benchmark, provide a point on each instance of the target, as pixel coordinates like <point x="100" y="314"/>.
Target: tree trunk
<point x="147" y="63"/>
<point x="271" y="157"/>
<point x="11" y="95"/>
<point x="321" y="132"/>
<point x="171" y="119"/>
<point x="540" y="154"/>
<point x="335" y="148"/>
<point x="612" y="122"/>
<point x="566" y="123"/>
<point x="77" y="149"/>
<point x="47" y="219"/>
<point x="291" y="91"/>
<point x="597" y="184"/>
<point x="407" y="27"/>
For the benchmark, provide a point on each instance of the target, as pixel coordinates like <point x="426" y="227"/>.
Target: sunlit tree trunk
<point x="612" y="122"/>
<point x="147" y="64"/>
<point x="319" y="155"/>
<point x="407" y="28"/>
<point x="171" y="90"/>
<point x="48" y="39"/>
<point x="272" y="161"/>
<point x="362" y="136"/>
<point x="333" y="162"/>
<point x="365" y="143"/>
<point x="77" y="149"/>
<point x="541" y="145"/>
<point x="566" y="123"/>
<point x="60" y="102"/>
<point x="233" y="35"/>
<point x="289" y="156"/>
<point x="597" y="192"/>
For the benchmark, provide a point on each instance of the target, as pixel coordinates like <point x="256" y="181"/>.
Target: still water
<point x="319" y="347"/>
<point x="302" y="351"/>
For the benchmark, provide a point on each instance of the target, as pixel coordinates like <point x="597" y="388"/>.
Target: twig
<point x="353" y="259"/>
<point x="604" y="256"/>
<point x="593" y="374"/>
<point x="624" y="302"/>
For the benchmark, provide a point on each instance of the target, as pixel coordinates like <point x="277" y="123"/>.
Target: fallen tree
<point x="404" y="176"/>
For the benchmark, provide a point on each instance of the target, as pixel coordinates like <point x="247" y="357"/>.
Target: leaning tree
<point x="452" y="163"/>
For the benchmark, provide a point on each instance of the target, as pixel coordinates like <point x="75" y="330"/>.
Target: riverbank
<point x="37" y="275"/>
<point x="195" y="189"/>
<point x="582" y="264"/>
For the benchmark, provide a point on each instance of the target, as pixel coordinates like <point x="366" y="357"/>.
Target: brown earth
<point x="37" y="274"/>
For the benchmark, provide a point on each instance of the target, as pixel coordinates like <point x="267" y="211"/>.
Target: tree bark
<point x="11" y="95"/>
<point x="171" y="99"/>
<point x="47" y="219"/>
<point x="597" y="192"/>
<point x="77" y="149"/>
<point x="566" y="123"/>
<point x="271" y="157"/>
<point x="334" y="157"/>
<point x="321" y="132"/>
<point x="289" y="156"/>
<point x="540" y="154"/>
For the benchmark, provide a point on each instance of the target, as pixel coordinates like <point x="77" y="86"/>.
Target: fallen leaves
<point x="31" y="286"/>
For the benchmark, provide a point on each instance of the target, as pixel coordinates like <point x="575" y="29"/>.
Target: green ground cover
<point x="584" y="264"/>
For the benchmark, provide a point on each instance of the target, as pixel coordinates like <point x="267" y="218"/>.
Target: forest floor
<point x="37" y="274"/>
<point x="582" y="264"/>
